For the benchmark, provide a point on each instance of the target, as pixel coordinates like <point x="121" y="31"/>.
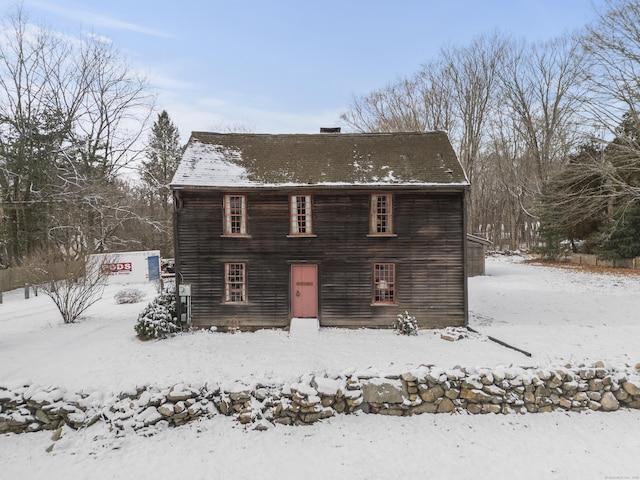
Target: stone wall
<point x="505" y="390"/>
<point x="593" y="260"/>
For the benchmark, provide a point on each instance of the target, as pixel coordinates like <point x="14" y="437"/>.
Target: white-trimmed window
<point x="235" y="215"/>
<point x="384" y="283"/>
<point x="235" y="283"/>
<point x="381" y="215"/>
<point x="300" y="209"/>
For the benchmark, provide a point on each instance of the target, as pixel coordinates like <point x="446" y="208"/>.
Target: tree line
<point x="547" y="131"/>
<point x="80" y="172"/>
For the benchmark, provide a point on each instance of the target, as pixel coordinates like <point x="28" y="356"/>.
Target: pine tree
<point x="163" y="155"/>
<point x="623" y="241"/>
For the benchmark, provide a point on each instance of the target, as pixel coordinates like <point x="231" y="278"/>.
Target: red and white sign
<point x="121" y="268"/>
<point x="129" y="267"/>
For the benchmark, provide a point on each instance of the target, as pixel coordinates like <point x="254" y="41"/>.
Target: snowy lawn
<point x="559" y="315"/>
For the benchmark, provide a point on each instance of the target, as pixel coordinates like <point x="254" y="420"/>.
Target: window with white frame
<point x="235" y="215"/>
<point x="235" y="283"/>
<point x="384" y="283"/>
<point x="381" y="215"/>
<point x="300" y="206"/>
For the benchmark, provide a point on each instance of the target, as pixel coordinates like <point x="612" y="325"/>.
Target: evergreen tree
<point x="163" y="155"/>
<point x="71" y="113"/>
<point x="571" y="206"/>
<point x="596" y="197"/>
<point x="623" y="241"/>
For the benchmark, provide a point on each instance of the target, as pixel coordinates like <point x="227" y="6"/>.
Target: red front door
<point x="304" y="291"/>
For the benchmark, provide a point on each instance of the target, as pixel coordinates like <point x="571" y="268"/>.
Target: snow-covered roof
<point x="261" y="160"/>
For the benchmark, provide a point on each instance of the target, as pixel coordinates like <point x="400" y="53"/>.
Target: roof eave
<point x="462" y="186"/>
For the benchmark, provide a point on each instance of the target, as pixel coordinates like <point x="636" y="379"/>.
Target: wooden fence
<point x="16" y="277"/>
<point x="583" y="259"/>
<point x="12" y="278"/>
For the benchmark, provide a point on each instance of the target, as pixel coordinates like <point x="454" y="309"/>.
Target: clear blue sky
<point x="291" y="66"/>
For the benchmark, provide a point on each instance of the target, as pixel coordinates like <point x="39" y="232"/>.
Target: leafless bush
<point x="72" y="285"/>
<point x="129" y="295"/>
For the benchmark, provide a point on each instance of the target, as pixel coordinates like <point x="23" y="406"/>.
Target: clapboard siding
<point x="428" y="250"/>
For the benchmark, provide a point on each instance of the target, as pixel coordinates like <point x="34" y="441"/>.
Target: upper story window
<point x="384" y="283"/>
<point x="381" y="215"/>
<point x="235" y="215"/>
<point x="235" y="283"/>
<point x="300" y="214"/>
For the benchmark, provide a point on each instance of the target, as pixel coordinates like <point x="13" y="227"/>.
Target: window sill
<point x="243" y="235"/>
<point x="302" y="235"/>
<point x="374" y="235"/>
<point x="384" y="304"/>
<point x="235" y="303"/>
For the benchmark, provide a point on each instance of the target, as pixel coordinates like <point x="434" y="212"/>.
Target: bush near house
<point x="406" y="324"/>
<point x="158" y="319"/>
<point x="129" y="295"/>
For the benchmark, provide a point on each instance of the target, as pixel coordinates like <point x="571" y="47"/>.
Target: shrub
<point x="167" y="299"/>
<point x="129" y="295"/>
<point x="158" y="319"/>
<point x="406" y="324"/>
<point x="72" y="285"/>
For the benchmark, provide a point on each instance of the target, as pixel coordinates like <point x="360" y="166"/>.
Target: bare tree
<point x="93" y="216"/>
<point x="541" y="87"/>
<point x="502" y="213"/>
<point x="439" y="106"/>
<point x="531" y="135"/>
<point x="72" y="285"/>
<point x="417" y="103"/>
<point x="472" y="73"/>
<point x="613" y="48"/>
<point x="242" y="126"/>
<point x="394" y="108"/>
<point x="72" y="112"/>
<point x="115" y="107"/>
<point x="31" y="130"/>
<point x="593" y="196"/>
<point x="469" y="78"/>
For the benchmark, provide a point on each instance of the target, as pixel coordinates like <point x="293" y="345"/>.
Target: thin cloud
<point x="99" y="20"/>
<point x="99" y="38"/>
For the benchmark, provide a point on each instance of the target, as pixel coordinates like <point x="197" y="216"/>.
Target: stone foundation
<point x="504" y="390"/>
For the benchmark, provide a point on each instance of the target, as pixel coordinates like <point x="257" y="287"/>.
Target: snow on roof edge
<point x="177" y="186"/>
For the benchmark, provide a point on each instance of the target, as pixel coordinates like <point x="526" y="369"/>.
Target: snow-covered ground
<point x="561" y="316"/>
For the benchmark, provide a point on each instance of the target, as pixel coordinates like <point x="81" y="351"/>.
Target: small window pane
<point x="384" y="283"/>
<point x="234" y="282"/>
<point x="301" y="214"/>
<point x="381" y="214"/>
<point x="235" y="215"/>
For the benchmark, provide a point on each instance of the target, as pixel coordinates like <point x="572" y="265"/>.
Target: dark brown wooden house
<point x="351" y="229"/>
<point x="476" y="253"/>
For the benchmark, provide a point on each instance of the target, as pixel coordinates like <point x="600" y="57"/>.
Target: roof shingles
<point x="262" y="160"/>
